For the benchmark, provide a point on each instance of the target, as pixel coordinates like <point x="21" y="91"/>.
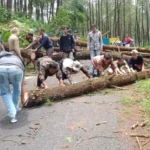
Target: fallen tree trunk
<point x="82" y="55"/>
<point x="111" y="47"/>
<point x="38" y="97"/>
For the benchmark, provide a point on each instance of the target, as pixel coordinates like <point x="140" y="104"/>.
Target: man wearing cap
<point x="69" y="67"/>
<point x="13" y="42"/>
<point x="136" y="62"/>
<point x="95" y="44"/>
<point x="48" y="67"/>
<point x="102" y="63"/>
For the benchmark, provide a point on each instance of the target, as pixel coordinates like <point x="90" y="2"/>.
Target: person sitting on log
<point x="48" y="67"/>
<point x="69" y="67"/>
<point x="102" y="63"/>
<point x="67" y="44"/>
<point x="13" y="42"/>
<point x="136" y="62"/>
<point x="46" y="43"/>
<point x="122" y="65"/>
<point x="32" y="40"/>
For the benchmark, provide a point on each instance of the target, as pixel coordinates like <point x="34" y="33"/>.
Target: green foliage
<point x="126" y="102"/>
<point x="146" y="105"/>
<point x="4" y="14"/>
<point x="48" y="102"/>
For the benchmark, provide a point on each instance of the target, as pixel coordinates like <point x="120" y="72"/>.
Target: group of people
<point x="12" y="68"/>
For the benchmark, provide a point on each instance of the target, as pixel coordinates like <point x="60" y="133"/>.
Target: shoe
<point x="13" y="120"/>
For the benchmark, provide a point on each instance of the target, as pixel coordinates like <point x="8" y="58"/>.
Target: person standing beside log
<point x="11" y="72"/>
<point x="48" y="67"/>
<point x="69" y="67"/>
<point x="67" y="44"/>
<point x="13" y="42"/>
<point x="46" y="43"/>
<point x="102" y="63"/>
<point x="95" y="44"/>
<point x="136" y="62"/>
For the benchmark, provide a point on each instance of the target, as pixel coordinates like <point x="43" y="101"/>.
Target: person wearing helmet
<point x="102" y="63"/>
<point x="136" y="62"/>
<point x="69" y="67"/>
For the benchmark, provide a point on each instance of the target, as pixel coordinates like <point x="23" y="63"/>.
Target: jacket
<point x="95" y="41"/>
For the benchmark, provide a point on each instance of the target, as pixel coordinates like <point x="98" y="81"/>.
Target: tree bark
<point x="37" y="97"/>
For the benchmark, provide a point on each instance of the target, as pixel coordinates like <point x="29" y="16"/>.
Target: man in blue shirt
<point x="46" y="43"/>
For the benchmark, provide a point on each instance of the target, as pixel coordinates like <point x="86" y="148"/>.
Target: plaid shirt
<point x="95" y="41"/>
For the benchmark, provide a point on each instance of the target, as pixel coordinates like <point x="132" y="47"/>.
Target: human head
<point x="53" y="67"/>
<point x="29" y="36"/>
<point x="127" y="35"/>
<point x="76" y="66"/>
<point x="66" y="30"/>
<point x="107" y="58"/>
<point x="120" y="60"/>
<point x="75" y="33"/>
<point x="93" y="27"/>
<point x="134" y="54"/>
<point x="41" y="31"/>
<point x="15" y="30"/>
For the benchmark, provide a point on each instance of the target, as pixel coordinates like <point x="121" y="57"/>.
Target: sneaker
<point x="13" y="120"/>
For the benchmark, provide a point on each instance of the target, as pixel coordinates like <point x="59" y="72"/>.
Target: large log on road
<point x="38" y="97"/>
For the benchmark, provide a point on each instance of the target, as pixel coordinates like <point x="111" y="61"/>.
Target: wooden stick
<point x="146" y="142"/>
<point x="140" y="135"/>
<point x="139" y="143"/>
<point x="135" y="126"/>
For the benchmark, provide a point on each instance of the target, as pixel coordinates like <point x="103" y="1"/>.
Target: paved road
<point x="81" y="123"/>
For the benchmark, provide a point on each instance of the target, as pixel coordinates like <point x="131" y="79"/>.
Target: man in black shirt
<point x="136" y="62"/>
<point x="67" y="44"/>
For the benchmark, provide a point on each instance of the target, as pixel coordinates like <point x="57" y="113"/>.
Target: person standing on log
<point x="95" y="44"/>
<point x="11" y="72"/>
<point x="46" y="43"/>
<point x="69" y="67"/>
<point x="102" y="63"/>
<point x="13" y="42"/>
<point x="48" y="67"/>
<point x="136" y="62"/>
<point x="67" y="44"/>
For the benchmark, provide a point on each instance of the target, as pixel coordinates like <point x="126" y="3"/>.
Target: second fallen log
<point x="40" y="96"/>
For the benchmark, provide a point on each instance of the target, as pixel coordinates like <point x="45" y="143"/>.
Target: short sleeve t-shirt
<point x="136" y="64"/>
<point x="120" y="65"/>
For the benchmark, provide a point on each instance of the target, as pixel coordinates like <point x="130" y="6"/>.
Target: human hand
<point x="24" y="98"/>
<point x="44" y="85"/>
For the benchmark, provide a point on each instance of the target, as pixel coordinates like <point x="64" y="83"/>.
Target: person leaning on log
<point x="122" y="66"/>
<point x="136" y="62"/>
<point x="95" y="44"/>
<point x="11" y="73"/>
<point x="34" y="43"/>
<point x="69" y="67"/>
<point x="13" y="42"/>
<point x="48" y="67"/>
<point x="46" y="43"/>
<point x="67" y="44"/>
<point x="102" y="63"/>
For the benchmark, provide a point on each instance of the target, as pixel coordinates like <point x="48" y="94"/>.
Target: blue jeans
<point x="11" y="75"/>
<point x="93" y="53"/>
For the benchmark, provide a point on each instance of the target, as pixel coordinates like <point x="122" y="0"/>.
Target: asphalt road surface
<point x="87" y="122"/>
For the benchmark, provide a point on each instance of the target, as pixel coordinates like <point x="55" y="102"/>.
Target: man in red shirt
<point x="128" y="41"/>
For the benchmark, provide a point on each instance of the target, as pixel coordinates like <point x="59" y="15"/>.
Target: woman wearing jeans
<point x="11" y="72"/>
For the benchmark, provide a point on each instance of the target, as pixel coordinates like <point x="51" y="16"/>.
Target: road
<point x="88" y="122"/>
